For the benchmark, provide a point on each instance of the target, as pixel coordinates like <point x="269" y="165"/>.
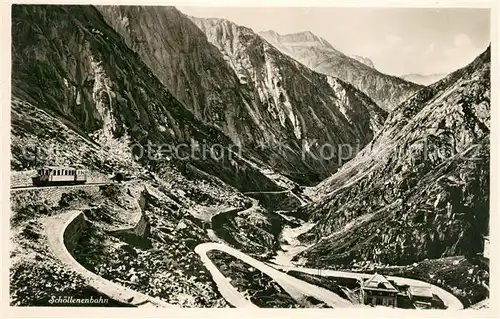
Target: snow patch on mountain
<point x="102" y="95"/>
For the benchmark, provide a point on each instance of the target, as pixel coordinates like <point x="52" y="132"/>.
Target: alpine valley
<point x="230" y="168"/>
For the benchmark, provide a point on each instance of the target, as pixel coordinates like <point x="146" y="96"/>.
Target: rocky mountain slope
<point x="81" y="96"/>
<point x="420" y="189"/>
<point x="316" y="53"/>
<point x="233" y="80"/>
<point x="423" y="79"/>
<point x="70" y="65"/>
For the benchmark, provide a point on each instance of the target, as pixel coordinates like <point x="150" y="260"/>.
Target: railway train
<point x="60" y="175"/>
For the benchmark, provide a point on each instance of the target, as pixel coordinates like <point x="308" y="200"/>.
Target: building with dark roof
<point x="377" y="290"/>
<point x="423" y="297"/>
<point x="423" y="294"/>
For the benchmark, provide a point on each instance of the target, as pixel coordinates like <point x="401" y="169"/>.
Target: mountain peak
<point x="304" y="38"/>
<point x="307" y="35"/>
<point x="270" y="33"/>
<point x="224" y="23"/>
<point x="364" y="60"/>
<point x="319" y="55"/>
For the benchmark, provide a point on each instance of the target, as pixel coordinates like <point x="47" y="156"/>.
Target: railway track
<point x="19" y="188"/>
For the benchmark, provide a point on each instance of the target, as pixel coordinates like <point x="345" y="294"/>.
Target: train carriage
<point x="60" y="175"/>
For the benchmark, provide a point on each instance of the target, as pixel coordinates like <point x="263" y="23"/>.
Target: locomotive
<point x="60" y="175"/>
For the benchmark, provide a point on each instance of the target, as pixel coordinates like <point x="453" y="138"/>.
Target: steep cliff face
<point x="187" y="65"/>
<point x="420" y="189"/>
<point x="70" y="64"/>
<point x="276" y="77"/>
<point x="239" y="83"/>
<point x="316" y="53"/>
<point x="311" y="108"/>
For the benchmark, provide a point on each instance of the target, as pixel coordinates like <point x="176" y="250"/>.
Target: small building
<point x="423" y="297"/>
<point x="422" y="294"/>
<point x="377" y="290"/>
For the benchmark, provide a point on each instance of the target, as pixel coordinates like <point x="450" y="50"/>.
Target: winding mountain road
<point x="449" y="299"/>
<point x="298" y="289"/>
<point x="62" y="229"/>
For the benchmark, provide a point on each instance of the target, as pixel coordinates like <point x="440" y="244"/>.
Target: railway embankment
<point x="23" y="179"/>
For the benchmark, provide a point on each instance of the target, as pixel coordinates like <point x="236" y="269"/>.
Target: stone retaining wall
<point x="73" y="232"/>
<point x="49" y="195"/>
<point x="141" y="228"/>
<point x="21" y="178"/>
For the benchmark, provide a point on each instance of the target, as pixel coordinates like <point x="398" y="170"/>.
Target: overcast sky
<point x="397" y="40"/>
